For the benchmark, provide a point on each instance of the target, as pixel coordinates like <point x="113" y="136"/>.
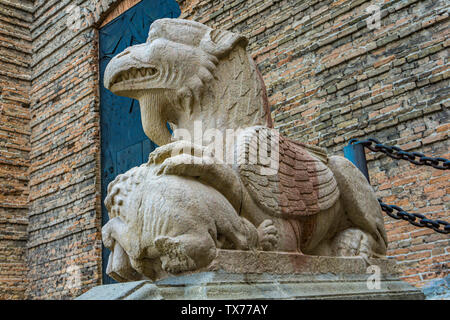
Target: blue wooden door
<point x="123" y="142"/>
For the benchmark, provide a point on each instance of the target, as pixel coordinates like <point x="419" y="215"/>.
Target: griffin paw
<point x="353" y="242"/>
<point x="268" y="235"/>
<point x="175" y="149"/>
<point x="177" y="165"/>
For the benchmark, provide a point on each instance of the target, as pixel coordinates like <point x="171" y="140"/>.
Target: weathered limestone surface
<point x="275" y="276"/>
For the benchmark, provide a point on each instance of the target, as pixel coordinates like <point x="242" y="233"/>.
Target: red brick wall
<point x="330" y="79"/>
<point x="15" y="58"/>
<point x="49" y="149"/>
<point x="64" y="246"/>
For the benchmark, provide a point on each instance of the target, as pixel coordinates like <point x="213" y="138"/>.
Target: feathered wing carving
<point x="302" y="186"/>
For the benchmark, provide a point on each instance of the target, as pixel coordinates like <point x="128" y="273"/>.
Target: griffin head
<point x="169" y="72"/>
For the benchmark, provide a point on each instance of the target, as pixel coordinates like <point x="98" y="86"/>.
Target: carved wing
<point x="302" y="186"/>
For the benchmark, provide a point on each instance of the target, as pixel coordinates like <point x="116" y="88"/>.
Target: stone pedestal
<point x="268" y="275"/>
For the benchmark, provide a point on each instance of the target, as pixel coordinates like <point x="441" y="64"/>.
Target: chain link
<point x="416" y="158"/>
<point x="394" y="152"/>
<point x="412" y="218"/>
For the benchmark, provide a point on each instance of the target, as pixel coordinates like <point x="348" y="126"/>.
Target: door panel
<point x="123" y="142"/>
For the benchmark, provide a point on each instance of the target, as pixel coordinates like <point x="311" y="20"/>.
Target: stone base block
<point x="240" y="275"/>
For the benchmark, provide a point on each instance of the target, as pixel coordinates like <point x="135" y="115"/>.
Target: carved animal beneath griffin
<point x="182" y="207"/>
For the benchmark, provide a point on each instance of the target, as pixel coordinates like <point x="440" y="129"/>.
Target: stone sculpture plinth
<point x="237" y="275"/>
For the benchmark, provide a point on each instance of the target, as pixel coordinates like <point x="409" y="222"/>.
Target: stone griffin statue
<point x="171" y="214"/>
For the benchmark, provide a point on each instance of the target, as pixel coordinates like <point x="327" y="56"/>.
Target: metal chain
<point x="397" y="153"/>
<point x="416" y="158"/>
<point x="412" y="217"/>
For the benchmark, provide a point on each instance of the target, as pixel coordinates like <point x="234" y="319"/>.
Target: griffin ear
<point x="220" y="42"/>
